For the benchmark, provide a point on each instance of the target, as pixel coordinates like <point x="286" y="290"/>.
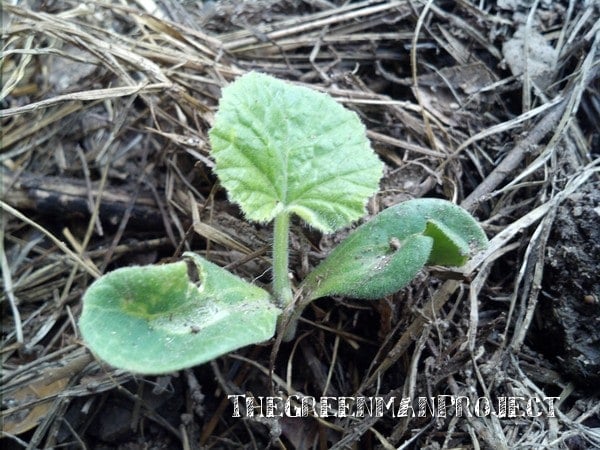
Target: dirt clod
<point x="571" y="310"/>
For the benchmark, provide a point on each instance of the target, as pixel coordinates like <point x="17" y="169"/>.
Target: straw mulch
<point x="105" y="163"/>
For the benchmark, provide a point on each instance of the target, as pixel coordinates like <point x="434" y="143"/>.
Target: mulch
<point x="105" y="110"/>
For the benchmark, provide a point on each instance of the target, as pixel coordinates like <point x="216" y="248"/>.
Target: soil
<point x="570" y="311"/>
<point x="105" y="163"/>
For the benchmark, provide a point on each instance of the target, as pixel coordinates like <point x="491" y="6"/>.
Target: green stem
<point x="282" y="288"/>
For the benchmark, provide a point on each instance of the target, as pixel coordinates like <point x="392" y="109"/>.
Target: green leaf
<point x="163" y="318"/>
<point x="285" y="148"/>
<point x="383" y="255"/>
<point x="449" y="248"/>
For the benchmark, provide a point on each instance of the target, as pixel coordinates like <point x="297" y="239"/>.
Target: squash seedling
<point x="279" y="149"/>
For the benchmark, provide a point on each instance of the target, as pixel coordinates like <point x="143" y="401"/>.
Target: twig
<point x="93" y="94"/>
<point x="88" y="266"/>
<point x="441" y="296"/>
<point x="547" y="124"/>
<point x="8" y="286"/>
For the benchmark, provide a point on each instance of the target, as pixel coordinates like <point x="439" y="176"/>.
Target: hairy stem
<point x="282" y="288"/>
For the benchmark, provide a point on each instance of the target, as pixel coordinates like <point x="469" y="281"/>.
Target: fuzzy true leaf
<point x="285" y="148"/>
<point x="162" y="318"/>
<point x="383" y="255"/>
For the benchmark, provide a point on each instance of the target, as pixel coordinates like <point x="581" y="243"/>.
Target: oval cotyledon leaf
<point x="383" y="255"/>
<point x="282" y="148"/>
<point x="159" y="319"/>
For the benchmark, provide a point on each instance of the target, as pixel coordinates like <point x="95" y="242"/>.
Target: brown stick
<point x="512" y="160"/>
<point x="68" y="197"/>
<point x="527" y="145"/>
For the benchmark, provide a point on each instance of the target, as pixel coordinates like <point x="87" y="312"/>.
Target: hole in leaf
<point x="192" y="272"/>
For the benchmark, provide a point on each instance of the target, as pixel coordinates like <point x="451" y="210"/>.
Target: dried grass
<point x="105" y="112"/>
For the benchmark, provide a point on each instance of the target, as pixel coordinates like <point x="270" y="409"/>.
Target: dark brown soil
<point x="570" y="308"/>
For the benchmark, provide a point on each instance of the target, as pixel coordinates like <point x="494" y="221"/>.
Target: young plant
<point x="279" y="149"/>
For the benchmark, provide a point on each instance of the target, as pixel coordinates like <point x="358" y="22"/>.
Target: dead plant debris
<point x="105" y="163"/>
